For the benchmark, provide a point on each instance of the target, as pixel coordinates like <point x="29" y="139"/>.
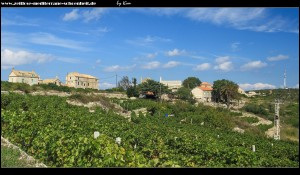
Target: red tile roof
<point x="206" y="88"/>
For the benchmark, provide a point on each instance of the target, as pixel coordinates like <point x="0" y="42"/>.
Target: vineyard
<point x="169" y="135"/>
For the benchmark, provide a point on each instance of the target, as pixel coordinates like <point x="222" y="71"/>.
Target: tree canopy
<point x="225" y="90"/>
<point x="191" y="82"/>
<point x="153" y="86"/>
<point x="185" y="94"/>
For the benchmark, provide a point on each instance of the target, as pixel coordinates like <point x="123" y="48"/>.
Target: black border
<point x="164" y="171"/>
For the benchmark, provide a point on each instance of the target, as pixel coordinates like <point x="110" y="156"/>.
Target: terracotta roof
<point x="20" y="73"/>
<point x="206" y="88"/>
<point x="76" y="74"/>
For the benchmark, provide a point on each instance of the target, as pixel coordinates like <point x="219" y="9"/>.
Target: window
<point x="84" y="84"/>
<point x="31" y="80"/>
<point x="70" y="78"/>
<point x="78" y="82"/>
<point x="88" y="84"/>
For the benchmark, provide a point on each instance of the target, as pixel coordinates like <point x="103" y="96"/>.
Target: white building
<point x="77" y="80"/>
<point x="173" y="85"/>
<point x="203" y="93"/>
<point x="17" y="76"/>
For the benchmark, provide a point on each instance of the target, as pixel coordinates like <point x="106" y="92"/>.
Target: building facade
<point x="55" y="81"/>
<point x="77" y="80"/>
<point x="173" y="85"/>
<point x="17" y="76"/>
<point x="203" y="93"/>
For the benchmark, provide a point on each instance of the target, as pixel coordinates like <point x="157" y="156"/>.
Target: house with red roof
<point x="203" y="93"/>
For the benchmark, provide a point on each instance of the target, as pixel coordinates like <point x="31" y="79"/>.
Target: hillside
<point x="165" y="135"/>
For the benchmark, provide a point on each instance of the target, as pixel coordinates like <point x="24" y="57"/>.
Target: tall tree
<point x="225" y="90"/>
<point x="153" y="86"/>
<point x="124" y="83"/>
<point x="191" y="82"/>
<point x="185" y="94"/>
<point x="132" y="90"/>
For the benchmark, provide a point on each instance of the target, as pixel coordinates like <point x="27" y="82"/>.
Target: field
<point x="62" y="135"/>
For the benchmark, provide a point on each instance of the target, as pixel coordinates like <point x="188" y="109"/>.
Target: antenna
<point x="284" y="80"/>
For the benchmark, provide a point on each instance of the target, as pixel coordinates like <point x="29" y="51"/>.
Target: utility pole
<point x="276" y="120"/>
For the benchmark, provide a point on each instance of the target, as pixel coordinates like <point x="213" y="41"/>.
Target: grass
<point x="250" y="119"/>
<point x="10" y="158"/>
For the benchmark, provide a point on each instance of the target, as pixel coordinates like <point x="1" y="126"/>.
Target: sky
<point x="249" y="46"/>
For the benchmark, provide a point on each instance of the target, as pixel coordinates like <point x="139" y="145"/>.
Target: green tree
<point x="191" y="82"/>
<point x="153" y="86"/>
<point x="185" y="94"/>
<point x="225" y="90"/>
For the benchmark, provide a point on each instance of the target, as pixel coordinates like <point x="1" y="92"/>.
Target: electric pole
<point x="276" y="120"/>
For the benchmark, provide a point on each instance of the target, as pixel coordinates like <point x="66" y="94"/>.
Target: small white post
<point x="118" y="140"/>
<point x="253" y="148"/>
<point x="191" y="121"/>
<point x="96" y="134"/>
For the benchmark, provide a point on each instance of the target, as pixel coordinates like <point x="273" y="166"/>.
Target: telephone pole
<point x="277" y="120"/>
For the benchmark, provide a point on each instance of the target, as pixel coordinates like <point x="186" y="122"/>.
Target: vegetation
<point x="153" y="86"/>
<point x="225" y="90"/>
<point x="191" y="82"/>
<point x="184" y="93"/>
<point x="61" y="135"/>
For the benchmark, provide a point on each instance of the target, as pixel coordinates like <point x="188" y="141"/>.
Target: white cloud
<point x="171" y="64"/>
<point x="297" y="86"/>
<point x="151" y="65"/>
<point x="73" y="15"/>
<point x="117" y="68"/>
<point x="175" y="52"/>
<point x="226" y="15"/>
<point x="253" y="65"/>
<point x="93" y="14"/>
<point x="147" y="41"/>
<point x="220" y="60"/>
<point x="52" y="40"/>
<point x="226" y="66"/>
<point x="235" y="46"/>
<point x="11" y="58"/>
<point x="202" y="67"/>
<point x="106" y="85"/>
<point x="278" y="58"/>
<point x="254" y="19"/>
<point x="256" y="86"/>
<point x="152" y="55"/>
<point x="223" y="64"/>
<point x="86" y="15"/>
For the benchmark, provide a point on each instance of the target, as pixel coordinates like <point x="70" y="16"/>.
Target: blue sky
<point x="250" y="46"/>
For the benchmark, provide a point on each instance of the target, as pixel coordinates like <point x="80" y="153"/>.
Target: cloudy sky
<point x="250" y="46"/>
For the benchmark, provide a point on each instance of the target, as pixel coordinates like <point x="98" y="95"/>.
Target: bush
<point x="256" y="109"/>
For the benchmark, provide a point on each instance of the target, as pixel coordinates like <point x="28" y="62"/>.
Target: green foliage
<point x="256" y="109"/>
<point x="225" y="90"/>
<point x="153" y="86"/>
<point x="250" y="119"/>
<point x="61" y="135"/>
<point x="191" y="82"/>
<point x="10" y="158"/>
<point x="185" y="94"/>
